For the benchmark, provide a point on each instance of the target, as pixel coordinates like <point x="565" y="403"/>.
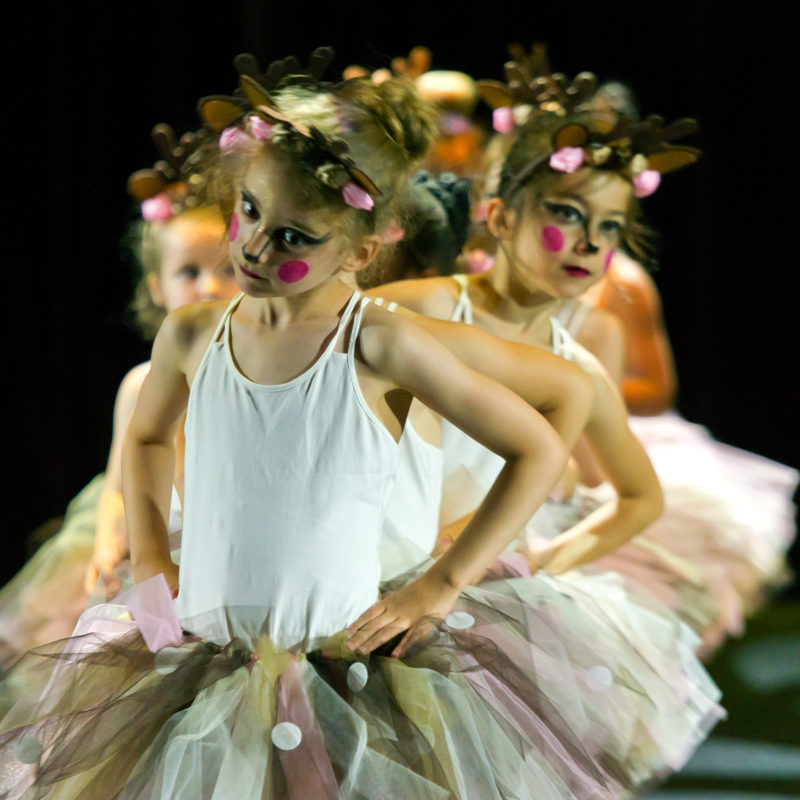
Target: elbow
<point x="656" y="502"/>
<point x="651" y="504"/>
<point x="555" y="452"/>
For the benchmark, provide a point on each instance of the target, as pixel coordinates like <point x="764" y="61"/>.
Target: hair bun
<point x="408" y="120"/>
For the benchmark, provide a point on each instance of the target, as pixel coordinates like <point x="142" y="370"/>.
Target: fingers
<point x="359" y="634"/>
<point x="370" y="614"/>
<point x="381" y="636"/>
<point x="413" y="635"/>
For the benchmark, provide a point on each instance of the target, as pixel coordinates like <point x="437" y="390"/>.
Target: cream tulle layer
<point x="528" y="690"/>
<point x="43" y="601"/>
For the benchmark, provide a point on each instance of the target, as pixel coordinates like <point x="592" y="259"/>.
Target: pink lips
<point x="577" y="272"/>
<point x="250" y="274"/>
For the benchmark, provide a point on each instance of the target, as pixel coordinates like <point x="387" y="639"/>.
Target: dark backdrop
<point x="84" y="87"/>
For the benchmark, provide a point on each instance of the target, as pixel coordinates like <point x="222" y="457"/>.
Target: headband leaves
<point x="253" y="96"/>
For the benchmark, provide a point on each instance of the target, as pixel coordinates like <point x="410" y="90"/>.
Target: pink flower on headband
<point x="393" y="233"/>
<point x="479" y="261"/>
<point x="157" y="209"/>
<point x="646" y="182"/>
<point x="567" y="159"/>
<point x="356" y="197"/>
<point x="503" y="120"/>
<point x="260" y="128"/>
<point x="232" y="139"/>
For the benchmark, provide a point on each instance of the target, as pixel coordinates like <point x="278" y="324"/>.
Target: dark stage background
<point x="83" y="88"/>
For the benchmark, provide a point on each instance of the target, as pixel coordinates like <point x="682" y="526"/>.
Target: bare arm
<point x="493" y="416"/>
<point x="148" y="454"/>
<point x="629" y="470"/>
<point x="560" y="391"/>
<point x="111" y="538"/>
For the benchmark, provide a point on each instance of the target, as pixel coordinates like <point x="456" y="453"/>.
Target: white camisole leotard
<point x="286" y="488"/>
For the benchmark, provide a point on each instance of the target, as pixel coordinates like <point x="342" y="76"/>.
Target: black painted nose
<point x="249" y="256"/>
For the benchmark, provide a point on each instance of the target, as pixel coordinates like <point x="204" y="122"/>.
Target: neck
<point x="323" y="300"/>
<point x="516" y="302"/>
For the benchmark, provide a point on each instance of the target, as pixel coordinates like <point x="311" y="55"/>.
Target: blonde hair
<point x="145" y="241"/>
<point x="387" y="127"/>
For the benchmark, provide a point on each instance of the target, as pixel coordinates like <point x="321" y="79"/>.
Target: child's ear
<point x="363" y="253"/>
<point x="154" y="287"/>
<point x="500" y="219"/>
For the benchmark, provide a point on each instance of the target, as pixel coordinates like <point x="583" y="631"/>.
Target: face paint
<point x="552" y="239"/>
<point x="234" y="228"/>
<point x="609" y="256"/>
<point x="292" y="271"/>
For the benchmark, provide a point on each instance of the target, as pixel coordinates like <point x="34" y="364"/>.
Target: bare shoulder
<point x="185" y="335"/>
<point x="133" y="380"/>
<point x="591" y="366"/>
<point x="633" y="283"/>
<point x="434" y="297"/>
<point x="600" y="326"/>
<point x="130" y="386"/>
<point x="184" y="327"/>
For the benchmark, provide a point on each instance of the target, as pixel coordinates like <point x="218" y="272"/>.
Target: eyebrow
<point x="578" y="199"/>
<point x="303" y="226"/>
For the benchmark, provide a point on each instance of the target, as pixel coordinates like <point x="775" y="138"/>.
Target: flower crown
<point x="175" y="182"/>
<point x="253" y="114"/>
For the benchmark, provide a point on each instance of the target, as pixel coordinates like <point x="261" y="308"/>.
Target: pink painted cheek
<point x="552" y="239"/>
<point x="234" y="228"/>
<point x="609" y="256"/>
<point x="292" y="271"/>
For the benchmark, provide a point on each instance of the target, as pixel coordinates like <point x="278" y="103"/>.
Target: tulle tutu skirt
<point x="43" y="601"/>
<point x="720" y="544"/>
<point x="745" y="500"/>
<point x="526" y="690"/>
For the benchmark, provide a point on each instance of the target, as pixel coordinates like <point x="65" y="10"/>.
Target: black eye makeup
<point x="292" y="239"/>
<point x="285" y="238"/>
<point x="249" y="206"/>
<point x="564" y="212"/>
<point x="610" y="228"/>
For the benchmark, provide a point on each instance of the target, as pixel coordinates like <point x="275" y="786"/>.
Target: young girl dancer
<point x="297" y="393"/>
<point x="565" y="204"/>
<point x="181" y="249"/>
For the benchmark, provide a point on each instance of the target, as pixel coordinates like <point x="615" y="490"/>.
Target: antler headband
<point x="330" y="157"/>
<point x="174" y="182"/>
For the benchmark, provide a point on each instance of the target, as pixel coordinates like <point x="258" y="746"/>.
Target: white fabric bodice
<point x="411" y="522"/>
<point x="412" y="514"/>
<point x="469" y="468"/>
<point x="286" y="487"/>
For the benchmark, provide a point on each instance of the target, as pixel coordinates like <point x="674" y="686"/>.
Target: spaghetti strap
<point x="572" y="315"/>
<point x="222" y="331"/>
<point x="463" y="310"/>
<point x="225" y="319"/>
<point x="356" y="327"/>
<point x="562" y="339"/>
<point x="344" y="320"/>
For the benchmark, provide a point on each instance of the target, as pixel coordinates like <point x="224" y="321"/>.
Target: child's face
<point x="194" y="263"/>
<point x="280" y="247"/>
<point x="563" y="241"/>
